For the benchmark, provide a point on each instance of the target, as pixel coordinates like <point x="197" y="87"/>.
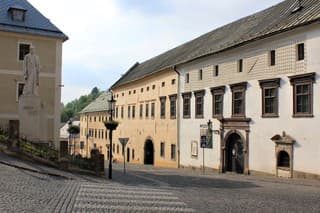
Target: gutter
<point x="178" y="113"/>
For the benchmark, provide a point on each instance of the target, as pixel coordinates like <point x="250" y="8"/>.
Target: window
<point x="134" y="91"/>
<point x="133" y="112"/>
<point x="153" y="86"/>
<point x="141" y="90"/>
<point x="217" y="101"/>
<point x="238" y="99"/>
<point x="106" y="134"/>
<point x="17" y="14"/>
<point x="24" y="49"/>
<point x="118" y="148"/>
<point x="300" y="51"/>
<point x="19" y="92"/>
<point x="122" y="94"/>
<point x="163" y="107"/>
<point x="141" y="110"/>
<point x="147" y="110"/>
<point x="95" y="133"/>
<point x="117" y="110"/>
<point x="186" y="105"/>
<point x="272" y="57"/>
<point x="129" y="111"/>
<point x="173" y="151"/>
<point x="122" y="112"/>
<point x="303" y="94"/>
<point x="216" y="70"/>
<point x="162" y="150"/>
<point x="283" y="159"/>
<point x="132" y="154"/>
<point x="147" y="88"/>
<point x="199" y="100"/>
<point x="163" y="84"/>
<point x="173" y="81"/>
<point x="200" y="74"/>
<point x="129" y="92"/>
<point x="187" y="78"/>
<point x="81" y="145"/>
<point x="240" y="65"/>
<point x="173" y="106"/>
<point x="152" y="109"/>
<point x="270" y="97"/>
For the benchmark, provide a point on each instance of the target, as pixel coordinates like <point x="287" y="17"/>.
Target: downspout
<point x="178" y="114"/>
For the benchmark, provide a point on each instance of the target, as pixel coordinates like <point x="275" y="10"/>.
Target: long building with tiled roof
<point x="277" y="19"/>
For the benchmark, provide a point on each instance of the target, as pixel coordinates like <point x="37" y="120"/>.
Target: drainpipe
<point x="178" y="114"/>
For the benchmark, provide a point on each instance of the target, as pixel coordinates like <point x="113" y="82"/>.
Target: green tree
<point x="73" y="108"/>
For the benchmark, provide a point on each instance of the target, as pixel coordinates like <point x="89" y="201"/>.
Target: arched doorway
<point x="234" y="154"/>
<point x="148" y="152"/>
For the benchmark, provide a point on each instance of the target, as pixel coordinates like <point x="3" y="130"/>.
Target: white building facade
<point x="263" y="99"/>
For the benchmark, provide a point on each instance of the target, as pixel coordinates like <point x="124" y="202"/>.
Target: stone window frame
<point x="272" y="57"/>
<point x="186" y="96"/>
<point x="216" y="70"/>
<point x="299" y="80"/>
<point x="173" y="152"/>
<point x="153" y="106"/>
<point x="141" y="111"/>
<point x="19" y="90"/>
<point x="240" y="65"/>
<point x="217" y="91"/>
<point x="173" y="106"/>
<point x="21" y="53"/>
<point x="162" y="149"/>
<point x="300" y="52"/>
<point x="270" y="84"/>
<point x="187" y="78"/>
<point x="147" y="110"/>
<point x="239" y="87"/>
<point x="163" y="107"/>
<point x="200" y="75"/>
<point x="122" y="112"/>
<point x="199" y="94"/>
<point x="133" y="111"/>
<point x="129" y="111"/>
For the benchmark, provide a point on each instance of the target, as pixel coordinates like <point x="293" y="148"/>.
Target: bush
<point x="3" y="138"/>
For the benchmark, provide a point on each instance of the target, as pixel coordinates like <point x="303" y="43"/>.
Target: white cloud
<point x="108" y="38"/>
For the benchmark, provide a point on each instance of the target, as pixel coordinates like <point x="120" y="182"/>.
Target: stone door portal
<point x="234" y="154"/>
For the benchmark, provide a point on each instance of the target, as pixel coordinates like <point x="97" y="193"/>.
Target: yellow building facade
<point x="17" y="35"/>
<point x="93" y="133"/>
<point x="146" y="110"/>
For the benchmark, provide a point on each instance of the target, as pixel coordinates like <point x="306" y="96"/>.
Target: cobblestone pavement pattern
<point x="148" y="189"/>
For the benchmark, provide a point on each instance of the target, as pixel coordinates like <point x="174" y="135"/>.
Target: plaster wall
<point x="256" y="67"/>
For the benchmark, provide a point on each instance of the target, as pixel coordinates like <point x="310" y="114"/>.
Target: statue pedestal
<point x="33" y="119"/>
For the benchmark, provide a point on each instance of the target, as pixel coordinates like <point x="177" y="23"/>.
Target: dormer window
<point x="17" y="13"/>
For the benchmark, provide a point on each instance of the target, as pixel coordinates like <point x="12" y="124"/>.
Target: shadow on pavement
<point x="137" y="178"/>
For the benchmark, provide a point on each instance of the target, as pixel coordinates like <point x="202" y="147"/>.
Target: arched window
<point x="283" y="159"/>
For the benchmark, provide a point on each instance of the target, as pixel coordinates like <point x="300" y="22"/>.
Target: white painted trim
<point x="20" y="72"/>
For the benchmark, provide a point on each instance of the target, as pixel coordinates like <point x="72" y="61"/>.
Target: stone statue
<point x="31" y="69"/>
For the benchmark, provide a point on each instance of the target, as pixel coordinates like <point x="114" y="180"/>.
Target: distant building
<point x="93" y="133"/>
<point x="22" y="25"/>
<point x="70" y="143"/>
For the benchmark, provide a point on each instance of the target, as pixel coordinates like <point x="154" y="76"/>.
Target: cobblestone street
<point x="149" y="189"/>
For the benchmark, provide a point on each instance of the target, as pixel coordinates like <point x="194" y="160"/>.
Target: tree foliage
<point x="73" y="108"/>
<point x="73" y="129"/>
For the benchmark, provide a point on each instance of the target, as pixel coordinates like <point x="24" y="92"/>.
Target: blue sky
<point x="108" y="36"/>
